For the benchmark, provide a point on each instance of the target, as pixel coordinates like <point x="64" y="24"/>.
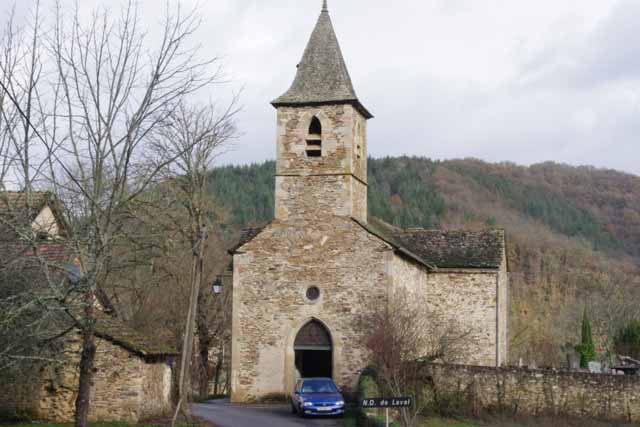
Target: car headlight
<point x="307" y="404"/>
<point x="340" y="403"/>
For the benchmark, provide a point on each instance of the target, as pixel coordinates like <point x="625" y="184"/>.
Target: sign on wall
<point x="386" y="402"/>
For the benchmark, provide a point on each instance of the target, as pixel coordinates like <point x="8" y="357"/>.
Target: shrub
<point x="627" y="340"/>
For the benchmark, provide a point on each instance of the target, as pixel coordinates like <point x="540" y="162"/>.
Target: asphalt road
<point x="225" y="414"/>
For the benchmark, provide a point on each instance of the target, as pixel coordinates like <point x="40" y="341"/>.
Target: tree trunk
<point x="87" y="358"/>
<point x="184" y="381"/>
<point x="204" y="344"/>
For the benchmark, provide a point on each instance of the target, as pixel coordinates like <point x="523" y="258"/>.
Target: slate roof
<point x="246" y="236"/>
<point x="444" y="248"/>
<point x="457" y="248"/>
<point x="322" y="76"/>
<point x="116" y="332"/>
<point x="466" y="249"/>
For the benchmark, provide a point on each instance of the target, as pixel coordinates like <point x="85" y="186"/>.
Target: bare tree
<point x="109" y="96"/>
<point x="195" y="137"/>
<point x="403" y="337"/>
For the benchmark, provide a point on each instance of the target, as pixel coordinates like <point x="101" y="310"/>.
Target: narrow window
<point x="314" y="139"/>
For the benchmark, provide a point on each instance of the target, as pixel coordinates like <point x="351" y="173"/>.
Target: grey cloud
<point x="609" y="53"/>
<point x="500" y="80"/>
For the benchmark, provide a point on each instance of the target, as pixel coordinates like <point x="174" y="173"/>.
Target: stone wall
<point x="540" y="392"/>
<point x="468" y="298"/>
<point x="448" y="293"/>
<point x="299" y="196"/>
<point x="336" y="181"/>
<point x="125" y="388"/>
<point x="271" y="275"/>
<point x="503" y="312"/>
<point x="18" y="400"/>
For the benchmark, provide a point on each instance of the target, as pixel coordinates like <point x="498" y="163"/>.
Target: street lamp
<point x="217" y="285"/>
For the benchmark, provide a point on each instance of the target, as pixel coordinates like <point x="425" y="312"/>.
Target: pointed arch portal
<point x="313" y="351"/>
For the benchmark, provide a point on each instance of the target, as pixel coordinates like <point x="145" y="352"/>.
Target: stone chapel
<point x="301" y="282"/>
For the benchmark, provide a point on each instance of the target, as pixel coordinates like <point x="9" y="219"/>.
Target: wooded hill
<point x="573" y="234"/>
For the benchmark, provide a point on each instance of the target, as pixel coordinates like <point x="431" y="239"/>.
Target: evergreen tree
<point x="628" y="340"/>
<point x="586" y="349"/>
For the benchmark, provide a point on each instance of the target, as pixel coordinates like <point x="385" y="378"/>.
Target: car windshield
<point x="319" y="386"/>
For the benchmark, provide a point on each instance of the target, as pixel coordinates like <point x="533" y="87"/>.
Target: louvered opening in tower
<point x="314" y="138"/>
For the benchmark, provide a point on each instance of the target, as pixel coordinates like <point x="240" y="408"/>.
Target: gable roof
<point x="465" y="249"/>
<point x="246" y="236"/>
<point x="457" y="248"/>
<point x="17" y="215"/>
<point x="435" y="249"/>
<point x="322" y="76"/>
<point x="116" y="332"/>
<point x="17" y="201"/>
<point x="17" y="209"/>
<point x="389" y="234"/>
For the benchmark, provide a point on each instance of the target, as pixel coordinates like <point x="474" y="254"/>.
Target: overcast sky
<point x="501" y="80"/>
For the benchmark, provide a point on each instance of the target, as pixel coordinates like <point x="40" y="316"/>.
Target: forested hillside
<point x="573" y="234"/>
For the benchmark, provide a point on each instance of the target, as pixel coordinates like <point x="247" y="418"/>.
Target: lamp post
<point x="217" y="285"/>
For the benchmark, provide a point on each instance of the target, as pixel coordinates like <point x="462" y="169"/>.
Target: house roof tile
<point x="114" y="330"/>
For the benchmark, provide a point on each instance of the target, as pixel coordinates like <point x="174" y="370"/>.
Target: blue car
<point x="317" y="397"/>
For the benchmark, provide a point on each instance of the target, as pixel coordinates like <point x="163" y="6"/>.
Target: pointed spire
<point x="322" y="76"/>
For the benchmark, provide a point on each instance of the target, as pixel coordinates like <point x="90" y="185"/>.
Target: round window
<point x="313" y="293"/>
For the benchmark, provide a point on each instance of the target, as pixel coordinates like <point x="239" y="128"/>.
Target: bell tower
<point x="321" y="165"/>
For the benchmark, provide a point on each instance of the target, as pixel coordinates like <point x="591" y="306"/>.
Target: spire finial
<point x="325" y="7"/>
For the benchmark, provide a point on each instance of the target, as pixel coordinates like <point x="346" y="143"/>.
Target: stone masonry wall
<point x="537" y="392"/>
<point x="298" y="196"/>
<point x="18" y="400"/>
<point x="466" y="297"/>
<point x="125" y="388"/>
<point x="339" y="128"/>
<point x="503" y="312"/>
<point x="304" y="183"/>
<point x="271" y="275"/>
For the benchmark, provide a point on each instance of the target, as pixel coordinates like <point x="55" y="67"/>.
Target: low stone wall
<point x="541" y="392"/>
<point x="17" y="401"/>
<point x="125" y="388"/>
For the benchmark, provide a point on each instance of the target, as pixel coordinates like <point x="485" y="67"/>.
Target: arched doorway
<point x="313" y="351"/>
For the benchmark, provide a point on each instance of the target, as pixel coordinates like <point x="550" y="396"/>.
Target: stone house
<point x="133" y="373"/>
<point x="302" y="282"/>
